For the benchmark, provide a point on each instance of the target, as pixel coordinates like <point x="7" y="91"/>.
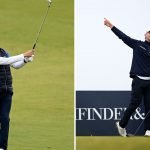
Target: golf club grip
<point x="34" y="46"/>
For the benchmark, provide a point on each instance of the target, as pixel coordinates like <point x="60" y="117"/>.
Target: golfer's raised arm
<point x="20" y="64"/>
<point x="126" y="39"/>
<point x="14" y="59"/>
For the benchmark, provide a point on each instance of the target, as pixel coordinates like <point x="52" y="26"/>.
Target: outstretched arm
<point x="11" y="60"/>
<point x="17" y="58"/>
<point x="20" y="64"/>
<point x="126" y="39"/>
<point x="28" y="57"/>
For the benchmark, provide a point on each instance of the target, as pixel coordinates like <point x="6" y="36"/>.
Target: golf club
<point x="41" y="27"/>
<point x="129" y="135"/>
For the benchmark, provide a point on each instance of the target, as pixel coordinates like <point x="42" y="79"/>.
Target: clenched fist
<point x="108" y="23"/>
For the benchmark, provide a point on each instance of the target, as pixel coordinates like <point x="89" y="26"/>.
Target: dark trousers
<point x="5" y="106"/>
<point x="140" y="90"/>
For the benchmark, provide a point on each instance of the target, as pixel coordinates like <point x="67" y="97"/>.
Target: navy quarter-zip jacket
<point x="141" y="54"/>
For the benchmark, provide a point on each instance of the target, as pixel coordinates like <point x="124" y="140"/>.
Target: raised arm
<point x="126" y="39"/>
<point x="13" y="59"/>
<point x="20" y="64"/>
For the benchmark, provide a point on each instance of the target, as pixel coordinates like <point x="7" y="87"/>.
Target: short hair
<point x="148" y="32"/>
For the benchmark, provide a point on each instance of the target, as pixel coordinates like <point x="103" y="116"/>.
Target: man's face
<point x="147" y="36"/>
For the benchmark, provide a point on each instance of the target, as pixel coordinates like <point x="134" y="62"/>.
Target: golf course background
<point x="42" y="109"/>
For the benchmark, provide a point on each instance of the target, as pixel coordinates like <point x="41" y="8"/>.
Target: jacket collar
<point x="147" y="43"/>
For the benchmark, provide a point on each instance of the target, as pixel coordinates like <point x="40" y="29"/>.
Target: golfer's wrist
<point x="25" y="59"/>
<point x="111" y="26"/>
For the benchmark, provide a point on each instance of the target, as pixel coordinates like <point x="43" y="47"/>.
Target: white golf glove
<point x="28" y="59"/>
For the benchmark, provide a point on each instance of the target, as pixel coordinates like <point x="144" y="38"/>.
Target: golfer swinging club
<point x="140" y="72"/>
<point x="6" y="90"/>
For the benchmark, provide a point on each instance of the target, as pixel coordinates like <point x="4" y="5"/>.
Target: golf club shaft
<point x="41" y="27"/>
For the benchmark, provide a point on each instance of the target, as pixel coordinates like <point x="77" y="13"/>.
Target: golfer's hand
<point x="108" y="23"/>
<point x="28" y="59"/>
<point x="29" y="53"/>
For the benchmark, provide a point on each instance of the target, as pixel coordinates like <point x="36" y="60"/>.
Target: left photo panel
<point x="37" y="75"/>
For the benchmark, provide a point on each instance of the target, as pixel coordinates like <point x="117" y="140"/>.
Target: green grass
<point x="112" y="143"/>
<point x="42" y="109"/>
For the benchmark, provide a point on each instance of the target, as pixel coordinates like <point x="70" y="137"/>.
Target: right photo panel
<point x="112" y="74"/>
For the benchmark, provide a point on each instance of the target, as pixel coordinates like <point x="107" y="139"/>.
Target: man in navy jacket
<point x="140" y="72"/>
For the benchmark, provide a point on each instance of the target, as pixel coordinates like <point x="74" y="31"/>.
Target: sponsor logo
<point x="90" y="114"/>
